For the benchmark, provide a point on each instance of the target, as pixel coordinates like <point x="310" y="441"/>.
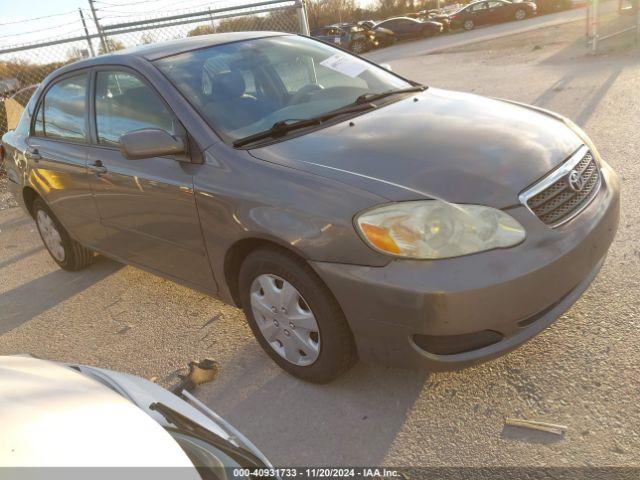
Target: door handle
<point x="98" y="168"/>
<point x="32" y="154"/>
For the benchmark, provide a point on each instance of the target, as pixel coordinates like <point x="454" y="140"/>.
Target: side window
<point x="495" y="4"/>
<point x="478" y="7"/>
<point x="125" y="103"/>
<point x="62" y="113"/>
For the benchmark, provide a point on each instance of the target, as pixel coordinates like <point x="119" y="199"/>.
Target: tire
<point x="468" y="25"/>
<point x="358" y="47"/>
<point x="335" y="352"/>
<point x="70" y="255"/>
<point x="520" y="14"/>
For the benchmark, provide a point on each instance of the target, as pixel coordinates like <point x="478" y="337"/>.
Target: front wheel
<point x="65" y="251"/>
<point x="468" y="25"/>
<point x="520" y="14"/>
<point x="295" y="317"/>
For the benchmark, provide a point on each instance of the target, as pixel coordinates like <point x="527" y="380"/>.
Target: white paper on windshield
<point x="345" y="64"/>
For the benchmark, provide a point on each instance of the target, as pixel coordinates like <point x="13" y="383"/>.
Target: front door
<point x="57" y="152"/>
<point x="147" y="206"/>
<point x="479" y="13"/>
<point x="497" y="12"/>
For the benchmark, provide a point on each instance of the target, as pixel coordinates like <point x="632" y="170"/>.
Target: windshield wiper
<point x="284" y="126"/>
<point x="372" y="97"/>
<point x="188" y="426"/>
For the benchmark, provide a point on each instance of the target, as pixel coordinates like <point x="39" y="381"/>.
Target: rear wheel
<point x="358" y="47"/>
<point x="65" y="251"/>
<point x="294" y="316"/>
<point x="520" y="14"/>
<point x="468" y="25"/>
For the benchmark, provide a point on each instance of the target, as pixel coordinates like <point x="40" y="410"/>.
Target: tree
<point x="74" y="54"/>
<point x="201" y="30"/>
<point x="112" y="46"/>
<point x="147" y="38"/>
<point x="326" y="12"/>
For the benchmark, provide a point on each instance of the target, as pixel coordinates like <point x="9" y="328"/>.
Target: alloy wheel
<point x="50" y="235"/>
<point x="468" y="25"/>
<point x="520" y="14"/>
<point x="285" y="319"/>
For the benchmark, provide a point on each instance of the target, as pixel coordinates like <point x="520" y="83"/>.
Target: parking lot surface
<point x="582" y="372"/>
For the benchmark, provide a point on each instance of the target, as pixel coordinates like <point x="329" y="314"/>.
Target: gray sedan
<point x="350" y="212"/>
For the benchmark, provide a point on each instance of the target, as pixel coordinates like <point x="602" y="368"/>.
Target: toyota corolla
<point x="350" y="212"/>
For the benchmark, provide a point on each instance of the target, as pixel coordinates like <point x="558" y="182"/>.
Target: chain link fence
<point x="23" y="66"/>
<point x="612" y="23"/>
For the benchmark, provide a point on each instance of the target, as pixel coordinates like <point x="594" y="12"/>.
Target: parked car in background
<point x="438" y="16"/>
<point x="383" y="37"/>
<point x="69" y="415"/>
<point x="350" y="37"/>
<point x="404" y="27"/>
<point x="491" y="11"/>
<point x="350" y="212"/>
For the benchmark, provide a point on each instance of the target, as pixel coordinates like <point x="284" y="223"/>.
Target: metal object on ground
<point x="533" y="425"/>
<point x="199" y="372"/>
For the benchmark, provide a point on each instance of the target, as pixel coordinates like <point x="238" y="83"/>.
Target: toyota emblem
<point x="576" y="181"/>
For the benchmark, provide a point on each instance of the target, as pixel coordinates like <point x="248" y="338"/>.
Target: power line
<point x="38" y="18"/>
<point x="109" y="5"/>
<point x="39" y="30"/>
<point x="161" y="9"/>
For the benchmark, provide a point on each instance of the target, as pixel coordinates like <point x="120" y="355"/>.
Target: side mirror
<point x="150" y="142"/>
<point x="386" y="66"/>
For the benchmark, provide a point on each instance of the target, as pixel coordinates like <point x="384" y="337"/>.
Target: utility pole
<point x="213" y="27"/>
<point x="86" y="32"/>
<point x="302" y="18"/>
<point x="105" y="47"/>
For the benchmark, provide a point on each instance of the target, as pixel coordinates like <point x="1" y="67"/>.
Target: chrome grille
<point x="565" y="192"/>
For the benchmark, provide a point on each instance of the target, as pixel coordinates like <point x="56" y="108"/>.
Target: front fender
<point x="241" y="197"/>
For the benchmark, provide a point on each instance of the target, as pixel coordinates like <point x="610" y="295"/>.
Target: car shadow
<point x="346" y="422"/>
<point x="17" y="306"/>
<point x="21" y="256"/>
<point x="590" y="98"/>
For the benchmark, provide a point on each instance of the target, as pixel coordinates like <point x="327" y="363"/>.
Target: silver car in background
<point x="64" y="415"/>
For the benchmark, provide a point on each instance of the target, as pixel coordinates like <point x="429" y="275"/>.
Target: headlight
<point x="432" y="229"/>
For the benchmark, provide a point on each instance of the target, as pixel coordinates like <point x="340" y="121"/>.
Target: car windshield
<point x="246" y="87"/>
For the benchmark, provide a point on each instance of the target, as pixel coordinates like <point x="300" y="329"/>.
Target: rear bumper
<point x="514" y="292"/>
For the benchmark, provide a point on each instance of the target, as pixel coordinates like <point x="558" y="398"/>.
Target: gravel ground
<point x="581" y="372"/>
<point x="6" y="200"/>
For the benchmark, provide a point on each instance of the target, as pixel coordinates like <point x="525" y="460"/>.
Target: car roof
<point x="52" y="415"/>
<point x="398" y="18"/>
<point x="155" y="51"/>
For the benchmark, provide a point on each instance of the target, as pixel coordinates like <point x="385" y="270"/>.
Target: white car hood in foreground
<point x="51" y="415"/>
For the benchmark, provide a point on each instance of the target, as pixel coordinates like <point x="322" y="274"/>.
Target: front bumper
<point x="516" y="292"/>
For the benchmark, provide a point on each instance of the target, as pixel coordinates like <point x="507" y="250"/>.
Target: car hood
<point x="454" y="146"/>
<point x="52" y="416"/>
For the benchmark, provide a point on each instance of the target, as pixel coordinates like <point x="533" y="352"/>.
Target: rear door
<point x="57" y="155"/>
<point x="146" y="206"/>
